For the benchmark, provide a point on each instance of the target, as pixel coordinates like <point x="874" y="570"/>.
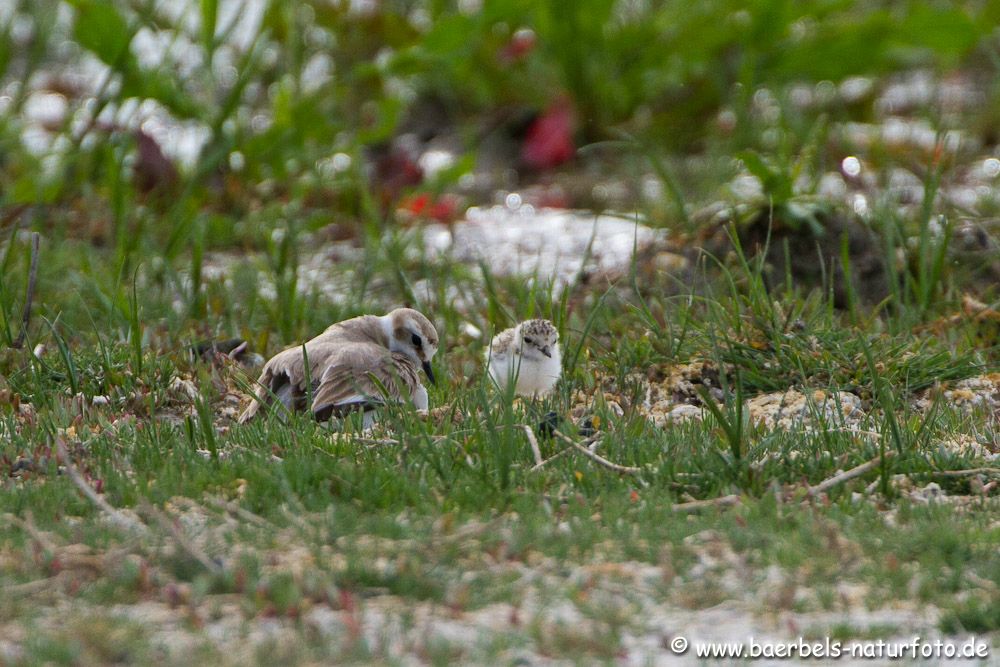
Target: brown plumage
<point x="357" y="364"/>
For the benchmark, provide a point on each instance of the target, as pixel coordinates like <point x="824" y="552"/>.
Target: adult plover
<point x="358" y="364"/>
<point x="527" y="354"/>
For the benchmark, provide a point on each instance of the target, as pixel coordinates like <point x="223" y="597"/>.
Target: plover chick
<point x="358" y="364"/>
<point x="529" y="355"/>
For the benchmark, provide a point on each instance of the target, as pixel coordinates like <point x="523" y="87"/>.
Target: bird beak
<point x="547" y="352"/>
<point x="430" y="372"/>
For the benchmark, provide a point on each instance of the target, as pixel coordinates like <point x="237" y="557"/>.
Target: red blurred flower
<point x="417" y="204"/>
<point x="445" y="208"/>
<point x="549" y="140"/>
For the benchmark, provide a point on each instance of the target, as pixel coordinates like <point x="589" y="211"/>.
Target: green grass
<point x="372" y="519"/>
<point x="345" y="544"/>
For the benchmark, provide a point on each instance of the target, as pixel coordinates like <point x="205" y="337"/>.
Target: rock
<point x="670" y="262"/>
<point x="792" y="409"/>
<point x="184" y="390"/>
<point x="981" y="391"/>
<point x="964" y="444"/>
<point x="551" y="244"/>
<point x="928" y="494"/>
<point x="682" y="413"/>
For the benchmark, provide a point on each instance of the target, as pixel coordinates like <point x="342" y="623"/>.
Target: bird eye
<point x="416" y="340"/>
<point x="528" y="340"/>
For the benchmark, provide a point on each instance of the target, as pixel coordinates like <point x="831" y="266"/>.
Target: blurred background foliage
<point x="186" y="121"/>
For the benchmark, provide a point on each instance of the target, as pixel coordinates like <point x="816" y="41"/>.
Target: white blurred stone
<point x="547" y="244"/>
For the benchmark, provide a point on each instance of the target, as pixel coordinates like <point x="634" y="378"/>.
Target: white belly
<point x="531" y="377"/>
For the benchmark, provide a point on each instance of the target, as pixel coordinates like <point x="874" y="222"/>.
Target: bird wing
<point x="363" y="376"/>
<point x="347" y="371"/>
<point x="279" y="378"/>
<point x="284" y="376"/>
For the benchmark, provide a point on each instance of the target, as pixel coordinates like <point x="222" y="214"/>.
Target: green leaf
<point x="160" y="87"/>
<point x="755" y="165"/>
<point x="6" y="47"/>
<point x="946" y="31"/>
<point x="209" y="17"/>
<point x="777" y="182"/>
<point x="102" y="30"/>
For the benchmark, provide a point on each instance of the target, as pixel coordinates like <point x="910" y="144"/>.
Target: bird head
<point x="538" y="337"/>
<point x="413" y="335"/>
